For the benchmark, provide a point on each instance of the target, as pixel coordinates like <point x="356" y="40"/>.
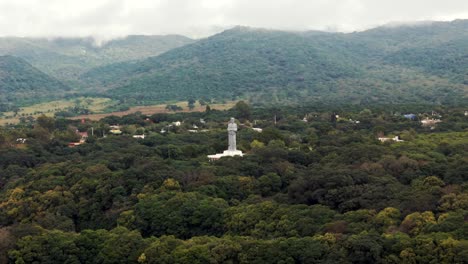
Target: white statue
<point x="232" y="149"/>
<point x="232" y="130"/>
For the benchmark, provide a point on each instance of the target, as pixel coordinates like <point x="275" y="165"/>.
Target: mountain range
<point x="67" y="58"/>
<point x="424" y="63"/>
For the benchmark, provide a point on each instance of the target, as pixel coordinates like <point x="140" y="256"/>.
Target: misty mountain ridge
<point x="425" y="63"/>
<point x="66" y="58"/>
<point x="272" y="66"/>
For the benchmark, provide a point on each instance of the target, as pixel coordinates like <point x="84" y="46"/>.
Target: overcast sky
<point x="198" y="18"/>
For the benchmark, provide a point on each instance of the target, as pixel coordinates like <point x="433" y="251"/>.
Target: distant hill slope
<point x="235" y="62"/>
<point x="423" y="63"/>
<point x="22" y="83"/>
<point x="449" y="60"/>
<point x="67" y="58"/>
<point x="391" y="38"/>
<point x="438" y="48"/>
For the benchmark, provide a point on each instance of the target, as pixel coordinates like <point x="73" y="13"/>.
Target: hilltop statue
<point x="232" y="147"/>
<point x="232" y="130"/>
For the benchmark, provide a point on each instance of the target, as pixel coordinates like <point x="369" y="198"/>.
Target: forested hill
<point x="438" y="48"/>
<point x="419" y="63"/>
<point x="19" y="81"/>
<point x="235" y="62"/>
<point x="66" y="58"/>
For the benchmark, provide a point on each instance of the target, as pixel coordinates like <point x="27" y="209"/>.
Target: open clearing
<point x="156" y="109"/>
<point x="50" y="108"/>
<point x="98" y="105"/>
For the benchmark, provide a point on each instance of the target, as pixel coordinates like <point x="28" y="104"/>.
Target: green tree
<point x="269" y="184"/>
<point x="180" y="214"/>
<point x="47" y="123"/>
<point x="191" y="103"/>
<point x="242" y="110"/>
<point x="49" y="247"/>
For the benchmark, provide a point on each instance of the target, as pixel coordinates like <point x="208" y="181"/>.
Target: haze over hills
<point x="424" y="63"/>
<point x="21" y="82"/>
<point x="67" y="58"/>
<point x="418" y="63"/>
<point x="438" y="48"/>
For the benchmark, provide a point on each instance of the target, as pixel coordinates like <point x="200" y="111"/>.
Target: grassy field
<point x="50" y="108"/>
<point x="155" y="109"/>
<point x="98" y="106"/>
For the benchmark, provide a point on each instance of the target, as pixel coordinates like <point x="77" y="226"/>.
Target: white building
<point x="21" y="140"/>
<point x="430" y="122"/>
<point x="385" y="139"/>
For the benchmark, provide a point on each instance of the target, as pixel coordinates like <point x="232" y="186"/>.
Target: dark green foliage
<point x="242" y="110"/>
<point x="191" y="103"/>
<point x="22" y="83"/>
<point x="51" y="247"/>
<point x="174" y="108"/>
<point x="181" y="214"/>
<point x="305" y="192"/>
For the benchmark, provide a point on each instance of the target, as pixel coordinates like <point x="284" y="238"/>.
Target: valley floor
<point x="155" y="109"/>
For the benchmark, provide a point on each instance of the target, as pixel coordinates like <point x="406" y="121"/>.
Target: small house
<point x="74" y="144"/>
<point x="83" y="136"/>
<point x="395" y="139"/>
<point x="430" y="122"/>
<point x="115" y="131"/>
<point x="410" y="116"/>
<point x="21" y="140"/>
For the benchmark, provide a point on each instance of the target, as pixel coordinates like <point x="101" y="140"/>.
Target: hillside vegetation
<point x="67" y="58"/>
<point x="21" y="82"/>
<point x="423" y="63"/>
<point x="426" y="63"/>
<point x="437" y="48"/>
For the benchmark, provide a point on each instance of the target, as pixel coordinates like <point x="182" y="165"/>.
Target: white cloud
<point x="197" y="18"/>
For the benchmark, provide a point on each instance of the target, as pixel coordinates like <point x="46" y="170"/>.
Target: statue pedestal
<point x="226" y="153"/>
<point x="233" y="153"/>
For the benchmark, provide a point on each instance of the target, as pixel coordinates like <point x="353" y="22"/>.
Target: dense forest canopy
<point x="322" y="191"/>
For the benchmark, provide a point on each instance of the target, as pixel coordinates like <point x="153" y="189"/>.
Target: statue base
<point x="226" y="153"/>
